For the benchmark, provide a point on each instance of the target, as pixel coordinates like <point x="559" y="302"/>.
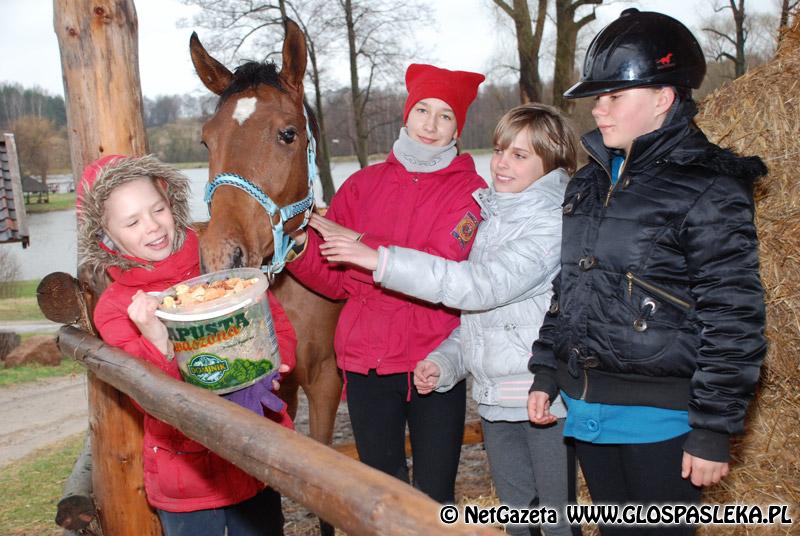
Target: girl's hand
<point x="328" y="228"/>
<point x="426" y="376"/>
<point x="341" y="249"/>
<point x="142" y="312"/>
<point x="283" y="369"/>
<point x="299" y="236"/>
<point x="539" y="408"/>
<point x="703" y="472"/>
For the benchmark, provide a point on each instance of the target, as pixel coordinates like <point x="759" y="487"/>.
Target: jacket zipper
<point x="633" y="280"/>
<point x="585" y="384"/>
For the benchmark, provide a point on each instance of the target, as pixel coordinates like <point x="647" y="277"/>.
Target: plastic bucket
<point x="228" y="343"/>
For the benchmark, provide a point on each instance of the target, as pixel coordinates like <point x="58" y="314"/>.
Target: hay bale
<point x="759" y="114"/>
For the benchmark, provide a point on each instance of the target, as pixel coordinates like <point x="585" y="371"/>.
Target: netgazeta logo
<point x="207" y="368"/>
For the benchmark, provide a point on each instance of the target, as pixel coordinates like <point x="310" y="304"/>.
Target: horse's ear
<point x="294" y="55"/>
<point x="215" y="76"/>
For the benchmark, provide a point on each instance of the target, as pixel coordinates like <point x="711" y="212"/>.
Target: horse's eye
<point x="287" y="135"/>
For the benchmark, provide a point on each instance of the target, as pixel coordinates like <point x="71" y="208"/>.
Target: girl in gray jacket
<point x="503" y="291"/>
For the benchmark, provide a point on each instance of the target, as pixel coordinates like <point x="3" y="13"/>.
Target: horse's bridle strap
<point x="282" y="242"/>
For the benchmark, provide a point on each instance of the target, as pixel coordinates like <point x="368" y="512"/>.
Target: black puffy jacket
<point x="659" y="301"/>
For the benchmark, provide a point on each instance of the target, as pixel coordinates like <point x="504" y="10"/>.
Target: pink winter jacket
<point x="431" y="212"/>
<point x="180" y="475"/>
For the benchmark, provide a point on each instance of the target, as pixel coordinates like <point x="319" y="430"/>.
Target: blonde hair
<point x="550" y="135"/>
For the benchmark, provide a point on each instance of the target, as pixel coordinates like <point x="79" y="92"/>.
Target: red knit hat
<point x="456" y="88"/>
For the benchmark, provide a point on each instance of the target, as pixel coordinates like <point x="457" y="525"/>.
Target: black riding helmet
<point x="640" y="48"/>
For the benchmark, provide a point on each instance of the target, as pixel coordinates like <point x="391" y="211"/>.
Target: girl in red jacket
<point x="134" y="223"/>
<point x="421" y="198"/>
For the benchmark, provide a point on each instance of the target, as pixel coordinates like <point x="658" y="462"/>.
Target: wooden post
<point x="100" y="64"/>
<point x="349" y="494"/>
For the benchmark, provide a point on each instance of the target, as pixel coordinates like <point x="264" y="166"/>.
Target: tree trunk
<point x="100" y="59"/>
<point x="528" y="44"/>
<point x="324" y="156"/>
<point x="357" y="97"/>
<point x="738" y="17"/>
<point x="567" y="29"/>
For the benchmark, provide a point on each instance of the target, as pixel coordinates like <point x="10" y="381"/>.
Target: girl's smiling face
<point x="139" y="220"/>
<point x="431" y="121"/>
<point x="517" y="166"/>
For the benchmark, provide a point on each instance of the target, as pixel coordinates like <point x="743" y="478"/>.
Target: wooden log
<point x="100" y="65"/>
<point x="76" y="509"/>
<point x="61" y="299"/>
<point x="352" y="496"/>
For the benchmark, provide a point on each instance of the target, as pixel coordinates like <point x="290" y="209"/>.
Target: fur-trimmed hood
<point x="99" y="179"/>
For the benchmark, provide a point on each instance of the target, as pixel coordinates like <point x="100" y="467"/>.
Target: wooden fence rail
<point x="348" y="494"/>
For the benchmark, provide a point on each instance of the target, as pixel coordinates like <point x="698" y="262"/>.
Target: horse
<point x="260" y="133"/>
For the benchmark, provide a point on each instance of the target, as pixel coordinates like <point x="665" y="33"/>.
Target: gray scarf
<point x="418" y="157"/>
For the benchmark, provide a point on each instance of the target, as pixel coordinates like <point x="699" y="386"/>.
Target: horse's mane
<point x="252" y="73"/>
<point x="249" y="75"/>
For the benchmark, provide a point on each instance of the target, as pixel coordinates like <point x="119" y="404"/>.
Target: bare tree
<point x="529" y="40"/>
<point x="567" y="29"/>
<point x="379" y="38"/>
<point x="38" y="145"/>
<point x="787" y="7"/>
<point x="239" y="26"/>
<point x="737" y="38"/>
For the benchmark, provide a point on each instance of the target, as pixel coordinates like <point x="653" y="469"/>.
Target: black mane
<point x="249" y="75"/>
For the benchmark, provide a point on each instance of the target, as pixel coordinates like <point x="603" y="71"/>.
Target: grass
<point x="19" y="301"/>
<point x="32" y="486"/>
<point x="20" y="309"/>
<point x="33" y="372"/>
<point x="57" y="202"/>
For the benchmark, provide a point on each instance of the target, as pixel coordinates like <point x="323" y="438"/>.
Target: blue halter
<point x="282" y="242"/>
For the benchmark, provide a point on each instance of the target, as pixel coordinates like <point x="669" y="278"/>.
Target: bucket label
<point x="212" y="332"/>
<point x="207" y="368"/>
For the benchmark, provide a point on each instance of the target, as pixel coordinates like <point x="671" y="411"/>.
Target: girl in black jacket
<point x="655" y="335"/>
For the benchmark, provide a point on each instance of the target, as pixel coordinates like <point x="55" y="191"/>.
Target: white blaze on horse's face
<point x="244" y="109"/>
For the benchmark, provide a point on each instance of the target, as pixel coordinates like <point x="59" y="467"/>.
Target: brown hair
<point x="550" y="135"/>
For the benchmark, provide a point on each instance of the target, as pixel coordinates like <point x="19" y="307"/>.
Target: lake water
<point x="54" y="237"/>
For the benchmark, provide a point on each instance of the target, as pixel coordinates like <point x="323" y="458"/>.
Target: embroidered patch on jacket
<point x="465" y="229"/>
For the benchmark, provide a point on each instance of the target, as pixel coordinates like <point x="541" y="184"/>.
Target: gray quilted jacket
<point x="503" y="291"/>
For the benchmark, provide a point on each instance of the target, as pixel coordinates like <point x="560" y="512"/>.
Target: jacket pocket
<point x="654" y="296"/>
<point x="508" y="349"/>
<point x="186" y="474"/>
<point x="654" y="319"/>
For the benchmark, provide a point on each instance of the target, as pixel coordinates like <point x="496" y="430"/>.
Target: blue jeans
<point x="261" y="515"/>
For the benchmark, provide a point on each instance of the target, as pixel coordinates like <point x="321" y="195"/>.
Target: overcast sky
<point x="464" y="36"/>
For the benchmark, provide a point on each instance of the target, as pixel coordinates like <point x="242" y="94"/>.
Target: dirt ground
<point x="43" y="412"/>
<point x="40" y="413"/>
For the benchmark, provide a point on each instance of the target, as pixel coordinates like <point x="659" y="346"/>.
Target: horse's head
<point x="258" y="133"/>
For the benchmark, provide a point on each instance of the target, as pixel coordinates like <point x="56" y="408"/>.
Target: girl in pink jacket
<point x="133" y="219"/>
<point x="421" y="198"/>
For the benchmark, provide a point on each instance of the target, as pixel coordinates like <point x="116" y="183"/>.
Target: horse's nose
<point x="237" y="258"/>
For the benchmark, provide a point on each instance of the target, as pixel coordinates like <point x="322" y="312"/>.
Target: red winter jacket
<point x="432" y="212"/>
<point x="180" y="475"/>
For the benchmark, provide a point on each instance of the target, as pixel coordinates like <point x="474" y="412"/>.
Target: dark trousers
<point x="644" y="473"/>
<point x="379" y="413"/>
<point x="261" y="515"/>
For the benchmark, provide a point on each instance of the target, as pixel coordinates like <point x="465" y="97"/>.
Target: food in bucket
<point x="186" y="296"/>
<point x="221" y="329"/>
